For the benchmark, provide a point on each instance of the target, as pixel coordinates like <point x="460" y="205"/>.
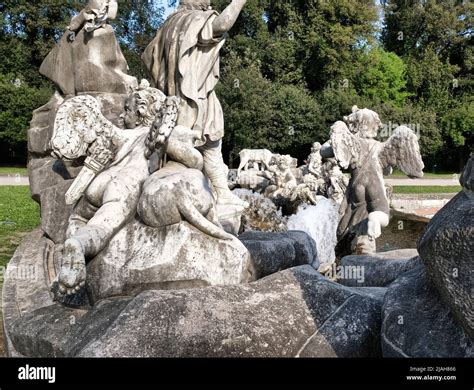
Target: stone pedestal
<point x="176" y="257"/>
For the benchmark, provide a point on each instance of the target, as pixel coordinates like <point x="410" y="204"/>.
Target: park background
<point x="289" y="70"/>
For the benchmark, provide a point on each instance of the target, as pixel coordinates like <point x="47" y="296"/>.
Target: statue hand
<point x="376" y="221"/>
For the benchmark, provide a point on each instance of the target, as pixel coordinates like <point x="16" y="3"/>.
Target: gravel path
<point x="12" y="180"/>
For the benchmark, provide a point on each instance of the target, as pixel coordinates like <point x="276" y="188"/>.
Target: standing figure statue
<point x="88" y="58"/>
<point x="183" y="60"/>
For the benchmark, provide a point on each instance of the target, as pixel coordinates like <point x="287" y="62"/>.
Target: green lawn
<point x="428" y="175"/>
<point x="13" y="171"/>
<point x="19" y="214"/>
<point x="426" y="189"/>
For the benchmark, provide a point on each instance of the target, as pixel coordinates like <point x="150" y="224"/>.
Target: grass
<point x="13" y="171"/>
<point x="428" y="175"/>
<point x="19" y="215"/>
<point x="426" y="189"/>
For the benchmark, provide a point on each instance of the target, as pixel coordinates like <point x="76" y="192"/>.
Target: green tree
<point x="262" y="114"/>
<point x="382" y="77"/>
<point x="18" y="99"/>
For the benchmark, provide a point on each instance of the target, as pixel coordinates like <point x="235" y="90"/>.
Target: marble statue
<point x="107" y="190"/>
<point x="183" y="61"/>
<point x="365" y="209"/>
<point x="283" y="181"/>
<point x="364" y="123"/>
<point x="252" y="157"/>
<point x="307" y="191"/>
<point x="88" y="58"/>
<point x="335" y="181"/>
<point x="151" y="171"/>
<point x="314" y="161"/>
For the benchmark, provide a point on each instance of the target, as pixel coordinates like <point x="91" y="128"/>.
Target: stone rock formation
<point x="447" y="249"/>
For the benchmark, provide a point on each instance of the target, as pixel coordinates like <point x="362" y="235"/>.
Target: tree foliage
<point x="290" y="69"/>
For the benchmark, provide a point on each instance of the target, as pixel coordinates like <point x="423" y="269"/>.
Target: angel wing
<point x="403" y="151"/>
<point x="346" y="146"/>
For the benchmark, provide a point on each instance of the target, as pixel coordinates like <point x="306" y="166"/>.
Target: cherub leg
<point x="119" y="206"/>
<point x="82" y="214"/>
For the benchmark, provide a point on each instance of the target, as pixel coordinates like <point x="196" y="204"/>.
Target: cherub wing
<point x="403" y="151"/>
<point x="346" y="146"/>
<point x="78" y="123"/>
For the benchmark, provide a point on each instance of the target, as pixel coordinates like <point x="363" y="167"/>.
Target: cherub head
<point x="364" y="123"/>
<point x="316" y="147"/>
<point x="203" y="5"/>
<point x="142" y="105"/>
<point x="284" y="162"/>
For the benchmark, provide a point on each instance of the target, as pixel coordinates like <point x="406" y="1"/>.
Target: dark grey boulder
<point x="447" y="250"/>
<point x="418" y="324"/>
<point x="380" y="269"/>
<point x="292" y="313"/>
<point x="296" y="312"/>
<point x="273" y="252"/>
<point x="58" y="331"/>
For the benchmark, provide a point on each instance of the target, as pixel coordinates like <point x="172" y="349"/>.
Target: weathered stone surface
<point x="467" y="177"/>
<point x="418" y="324"/>
<point x="54" y="212"/>
<point x="178" y="256"/>
<point x="380" y="269"/>
<point x="447" y="249"/>
<point x="41" y="127"/>
<point x="273" y="252"/>
<point x="296" y="312"/>
<point x="112" y="106"/>
<point x="292" y="313"/>
<point x="58" y="331"/>
<point x="26" y="282"/>
<point x="49" y="172"/>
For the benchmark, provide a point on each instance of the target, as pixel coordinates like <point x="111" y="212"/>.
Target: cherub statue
<point x="283" y="179"/>
<point x="88" y="58"/>
<point x="106" y="191"/>
<point x="335" y="181"/>
<point x="115" y="183"/>
<point x="315" y="160"/>
<point x="363" y="123"/>
<point x="365" y="209"/>
<point x="307" y="191"/>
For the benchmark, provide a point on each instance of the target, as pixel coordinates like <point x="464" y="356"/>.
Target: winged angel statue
<point x="365" y="209"/>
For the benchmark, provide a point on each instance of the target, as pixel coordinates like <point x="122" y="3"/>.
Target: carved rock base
<point x="179" y="256"/>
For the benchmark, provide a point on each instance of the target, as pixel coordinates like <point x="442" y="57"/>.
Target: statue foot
<point x="72" y="275"/>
